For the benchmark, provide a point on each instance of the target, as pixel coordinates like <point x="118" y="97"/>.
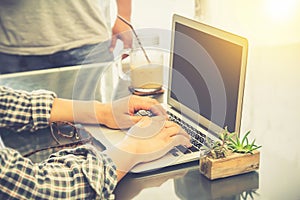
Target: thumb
<point x="175" y="141"/>
<point x="180" y="140"/>
<point x="147" y="127"/>
<point x="135" y="119"/>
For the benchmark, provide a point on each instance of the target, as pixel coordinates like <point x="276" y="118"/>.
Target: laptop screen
<point x="207" y="73"/>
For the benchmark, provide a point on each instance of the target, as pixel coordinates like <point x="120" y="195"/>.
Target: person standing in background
<point x="53" y="33"/>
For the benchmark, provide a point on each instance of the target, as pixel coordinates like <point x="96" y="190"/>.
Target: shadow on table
<point x="189" y="184"/>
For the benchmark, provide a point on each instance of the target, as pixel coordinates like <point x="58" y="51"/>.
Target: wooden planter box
<point x="233" y="164"/>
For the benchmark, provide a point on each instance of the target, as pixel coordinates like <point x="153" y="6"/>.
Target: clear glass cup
<point x="146" y="76"/>
<point x="144" y="66"/>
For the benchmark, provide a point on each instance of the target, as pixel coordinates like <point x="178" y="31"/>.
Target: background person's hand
<point x="123" y="32"/>
<point x="120" y="113"/>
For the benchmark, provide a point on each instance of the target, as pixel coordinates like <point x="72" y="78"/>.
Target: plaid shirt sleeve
<point x="21" y="110"/>
<point x="78" y="173"/>
<point x="68" y="174"/>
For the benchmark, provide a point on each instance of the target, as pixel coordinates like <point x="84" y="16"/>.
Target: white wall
<point x="264" y="22"/>
<point x="272" y="95"/>
<point x="158" y="13"/>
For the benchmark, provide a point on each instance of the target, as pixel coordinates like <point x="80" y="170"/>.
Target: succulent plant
<point x="242" y="146"/>
<point x="229" y="143"/>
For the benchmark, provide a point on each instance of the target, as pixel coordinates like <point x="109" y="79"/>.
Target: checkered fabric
<point x="21" y="110"/>
<point x="79" y="173"/>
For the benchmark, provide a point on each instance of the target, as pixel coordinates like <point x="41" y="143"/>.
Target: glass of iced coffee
<point x="144" y="66"/>
<point x="146" y="75"/>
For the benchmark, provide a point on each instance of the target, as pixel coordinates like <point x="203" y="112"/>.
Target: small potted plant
<point x="229" y="156"/>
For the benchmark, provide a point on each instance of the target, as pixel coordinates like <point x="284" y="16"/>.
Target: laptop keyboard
<point x="197" y="138"/>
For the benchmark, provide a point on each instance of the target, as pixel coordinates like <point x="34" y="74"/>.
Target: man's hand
<point x="149" y="139"/>
<point x="120" y="113"/>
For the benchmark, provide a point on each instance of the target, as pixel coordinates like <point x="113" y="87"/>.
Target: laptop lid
<point x="207" y="74"/>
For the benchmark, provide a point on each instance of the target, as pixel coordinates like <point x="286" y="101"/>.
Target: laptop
<point x="205" y="88"/>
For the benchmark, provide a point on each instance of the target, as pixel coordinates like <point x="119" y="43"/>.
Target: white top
<point x="48" y="26"/>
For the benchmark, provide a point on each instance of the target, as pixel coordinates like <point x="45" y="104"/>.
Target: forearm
<point x="120" y="174"/>
<point x="92" y="112"/>
<point x="124" y="157"/>
<point x="124" y="8"/>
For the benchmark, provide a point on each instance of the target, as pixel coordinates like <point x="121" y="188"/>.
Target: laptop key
<point x="193" y="149"/>
<point x="174" y="152"/>
<point x="183" y="149"/>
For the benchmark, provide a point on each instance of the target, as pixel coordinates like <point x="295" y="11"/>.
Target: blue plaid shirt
<point x="79" y="173"/>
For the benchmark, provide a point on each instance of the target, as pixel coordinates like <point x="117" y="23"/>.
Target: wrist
<point x="123" y="160"/>
<point x="100" y="112"/>
<point x="128" y="146"/>
<point x="127" y="18"/>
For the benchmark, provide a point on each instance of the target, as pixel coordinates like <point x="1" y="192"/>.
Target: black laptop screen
<point x="206" y="74"/>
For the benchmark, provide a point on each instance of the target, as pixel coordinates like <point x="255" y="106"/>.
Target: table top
<point x="277" y="178"/>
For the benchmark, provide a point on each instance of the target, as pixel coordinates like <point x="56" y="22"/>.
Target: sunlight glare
<point x="280" y="10"/>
